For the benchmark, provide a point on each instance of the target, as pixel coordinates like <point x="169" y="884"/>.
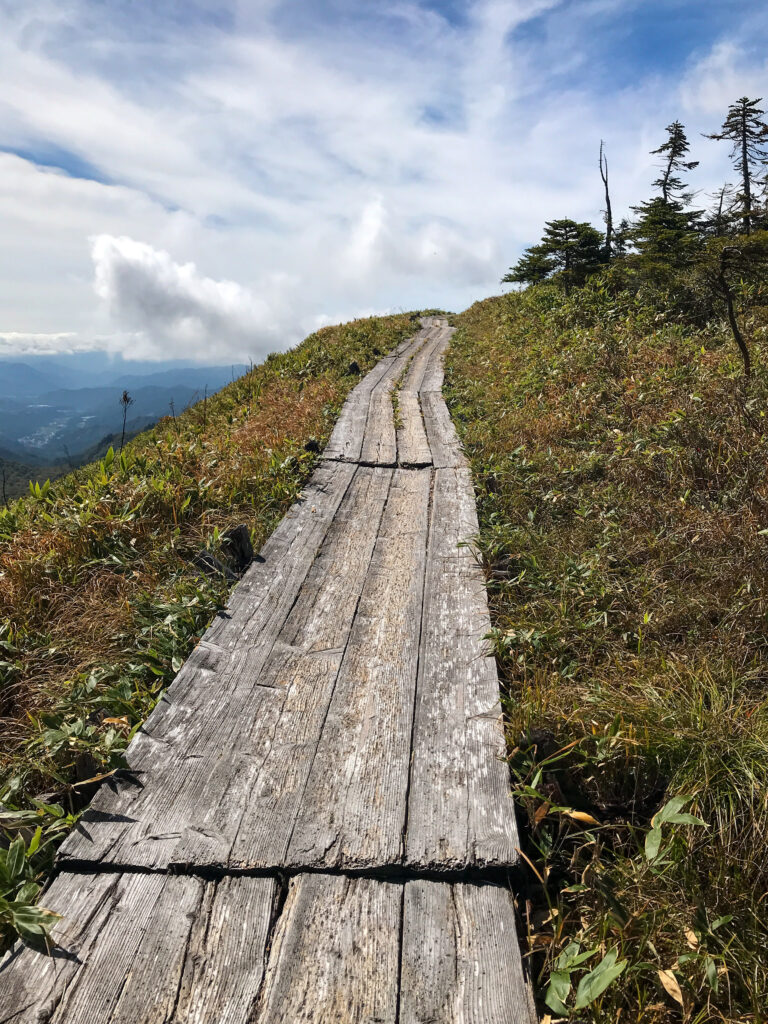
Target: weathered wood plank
<point x="278" y="571"/>
<point x="334" y="955"/>
<point x="353" y="810"/>
<point x="144" y="948"/>
<point x="198" y="762"/>
<point x="432" y="379"/>
<point x="380" y="439"/>
<point x="460" y="957"/>
<point x="346" y="438"/>
<point x="255" y="794"/>
<point x="432" y="334"/>
<point x="444" y="443"/>
<point x="412" y="445"/>
<point x="460" y="812"/>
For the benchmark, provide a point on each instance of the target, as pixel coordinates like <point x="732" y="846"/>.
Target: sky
<point x="212" y="180"/>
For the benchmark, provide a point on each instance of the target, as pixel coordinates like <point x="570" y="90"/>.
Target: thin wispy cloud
<point x="217" y="184"/>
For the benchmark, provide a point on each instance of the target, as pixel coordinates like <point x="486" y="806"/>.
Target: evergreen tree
<point x="674" y="150"/>
<point x="622" y="236"/>
<point x="569" y="252"/>
<point x="746" y="129"/>
<point x="720" y="218"/>
<point x="664" y="230"/>
<point x="533" y="267"/>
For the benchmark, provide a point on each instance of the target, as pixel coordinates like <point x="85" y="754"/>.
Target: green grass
<point x="620" y="468"/>
<point x="100" y="602"/>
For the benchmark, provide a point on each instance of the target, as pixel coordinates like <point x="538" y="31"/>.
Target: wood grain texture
<point x="380" y="439"/>
<point x="460" y="811"/>
<point x="444" y="443"/>
<point x="335" y="953"/>
<point x="353" y="810"/>
<point x="460" y="957"/>
<point x="144" y="949"/>
<point x="432" y="378"/>
<point x="270" y="790"/>
<point x="412" y="445"/>
<point x="205" y="775"/>
<point x="346" y="439"/>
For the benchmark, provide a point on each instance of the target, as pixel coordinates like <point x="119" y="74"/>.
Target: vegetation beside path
<point x="620" y="463"/>
<point x="101" y="601"/>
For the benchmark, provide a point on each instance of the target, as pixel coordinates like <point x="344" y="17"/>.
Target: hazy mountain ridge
<point x="57" y="413"/>
<point x="53" y="411"/>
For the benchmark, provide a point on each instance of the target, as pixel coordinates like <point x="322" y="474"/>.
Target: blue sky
<point x="215" y="178"/>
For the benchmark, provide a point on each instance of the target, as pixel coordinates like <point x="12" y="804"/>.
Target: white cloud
<point x="18" y="343"/>
<point x="266" y="167"/>
<point x="720" y="77"/>
<point x="171" y="305"/>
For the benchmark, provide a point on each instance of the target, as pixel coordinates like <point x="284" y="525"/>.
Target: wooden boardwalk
<point x="317" y="824"/>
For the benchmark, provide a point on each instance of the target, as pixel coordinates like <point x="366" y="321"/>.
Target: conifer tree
<point x="665" y="231"/>
<point x="745" y="128"/>
<point x="569" y="251"/>
<point x="533" y="267"/>
<point x="673" y="151"/>
<point x="720" y="217"/>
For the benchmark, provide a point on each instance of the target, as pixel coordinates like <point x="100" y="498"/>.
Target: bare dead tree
<point x="608" y="210"/>
<point x="126" y="402"/>
<point x="726" y="256"/>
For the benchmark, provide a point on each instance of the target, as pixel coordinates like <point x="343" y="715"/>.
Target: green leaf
<point x="597" y="981"/>
<point x="557" y="991"/>
<point x="34" y="842"/>
<point x="653" y="844"/>
<point x="572" y="956"/>
<point x="28" y="893"/>
<point x="720" y="921"/>
<point x="670" y="812"/>
<point x="685" y="819"/>
<point x="30" y="922"/>
<point x="711" y="973"/>
<point x="14" y="858"/>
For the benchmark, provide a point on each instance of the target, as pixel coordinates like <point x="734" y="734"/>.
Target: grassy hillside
<point x="99" y="599"/>
<point x="15" y="477"/>
<point x="620" y="464"/>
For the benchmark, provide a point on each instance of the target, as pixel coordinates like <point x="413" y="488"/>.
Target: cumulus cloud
<point x="168" y="304"/>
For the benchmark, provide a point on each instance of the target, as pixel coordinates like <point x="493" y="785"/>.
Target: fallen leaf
<point x="123" y="721"/>
<point x="580" y="816"/>
<point x="690" y="938"/>
<point x="541" y="813"/>
<point x="671" y="987"/>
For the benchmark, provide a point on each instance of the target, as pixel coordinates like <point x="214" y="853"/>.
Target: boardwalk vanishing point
<point x="317" y="825"/>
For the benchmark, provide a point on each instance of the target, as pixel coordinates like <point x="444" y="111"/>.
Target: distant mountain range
<point x="57" y="411"/>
